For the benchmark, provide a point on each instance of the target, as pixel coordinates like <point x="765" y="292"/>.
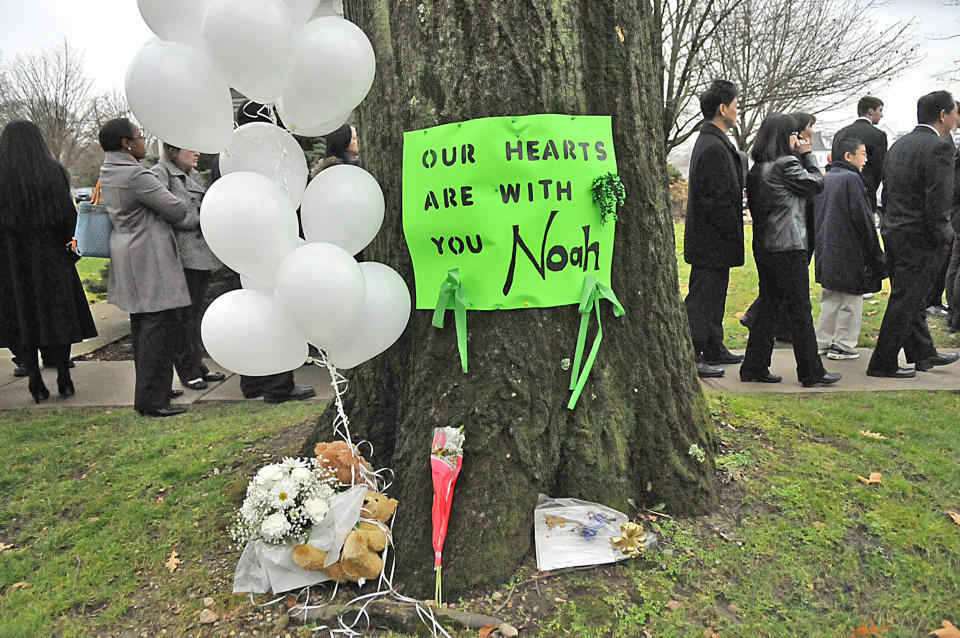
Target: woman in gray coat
<point x="178" y="172"/>
<point x="146" y="276"/>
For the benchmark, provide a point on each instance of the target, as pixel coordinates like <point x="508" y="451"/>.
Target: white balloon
<point x="321" y="288"/>
<point x="324" y="128"/>
<point x="383" y="318"/>
<point x="333" y="69"/>
<point x="176" y="94"/>
<point x="247" y="332"/>
<point x="249" y="283"/>
<point x="301" y="10"/>
<point x="175" y="20"/>
<point x="343" y="205"/>
<point x="251" y="43"/>
<point x="269" y="150"/>
<point x="250" y="224"/>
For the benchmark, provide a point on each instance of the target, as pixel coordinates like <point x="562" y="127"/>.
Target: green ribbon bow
<point x="453" y="296"/>
<point x="593" y="292"/>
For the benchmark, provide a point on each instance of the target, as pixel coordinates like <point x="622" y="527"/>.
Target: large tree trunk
<point x="630" y="435"/>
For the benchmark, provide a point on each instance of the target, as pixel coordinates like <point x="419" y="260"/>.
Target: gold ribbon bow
<point x="631" y="542"/>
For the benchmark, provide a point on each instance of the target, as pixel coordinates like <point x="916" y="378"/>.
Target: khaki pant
<point x="840" y="318"/>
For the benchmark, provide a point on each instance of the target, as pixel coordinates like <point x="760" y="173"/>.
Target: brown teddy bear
<point x="343" y="461"/>
<point x="360" y="557"/>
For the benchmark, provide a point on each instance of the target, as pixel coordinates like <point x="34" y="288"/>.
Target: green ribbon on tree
<point x="593" y="292"/>
<point x="452" y="296"/>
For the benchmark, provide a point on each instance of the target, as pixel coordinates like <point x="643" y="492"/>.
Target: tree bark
<point x="630" y="435"/>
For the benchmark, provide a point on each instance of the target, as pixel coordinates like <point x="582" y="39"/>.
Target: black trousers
<point x="784" y="286"/>
<point x="272" y="384"/>
<point x="935" y="298"/>
<point x="154" y="341"/>
<point x="953" y="285"/>
<point x="911" y="267"/>
<point x="188" y="356"/>
<point x="705" y="304"/>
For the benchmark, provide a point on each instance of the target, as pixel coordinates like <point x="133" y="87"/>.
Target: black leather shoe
<point x="939" y="359"/>
<point x="899" y="373"/>
<point x="196" y="384"/>
<point x="761" y="378"/>
<point x="725" y="359"/>
<point x="826" y="379"/>
<point x="173" y="394"/>
<point x="297" y="394"/>
<point x="20" y="372"/>
<point x="161" y="412"/>
<point x="213" y="377"/>
<point x="705" y="371"/>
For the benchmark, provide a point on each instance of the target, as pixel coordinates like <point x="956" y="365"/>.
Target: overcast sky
<point x="110" y="32"/>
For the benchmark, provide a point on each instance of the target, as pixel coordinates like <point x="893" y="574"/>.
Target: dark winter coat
<point x="713" y="234"/>
<point x="848" y="255"/>
<point x="876" y="142"/>
<point x="778" y="193"/>
<point x="41" y="299"/>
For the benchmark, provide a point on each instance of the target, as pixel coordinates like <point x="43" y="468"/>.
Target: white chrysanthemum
<point x="291" y="463"/>
<point x="249" y="512"/>
<point x="270" y="474"/>
<point x="285" y="493"/>
<point x="301" y="475"/>
<point x="316" y="508"/>
<point x="274" y="527"/>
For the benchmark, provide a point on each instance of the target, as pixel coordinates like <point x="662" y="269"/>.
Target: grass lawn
<point x="94" y="502"/>
<point x="90" y="271"/>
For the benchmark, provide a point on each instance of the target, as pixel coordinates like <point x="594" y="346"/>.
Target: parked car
<point x="81" y="194"/>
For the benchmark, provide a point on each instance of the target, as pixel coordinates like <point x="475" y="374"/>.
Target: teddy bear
<point x="343" y="461"/>
<point x="360" y="557"/>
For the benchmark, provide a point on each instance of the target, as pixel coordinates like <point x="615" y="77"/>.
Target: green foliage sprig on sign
<point x="507" y="203"/>
<point x="608" y="194"/>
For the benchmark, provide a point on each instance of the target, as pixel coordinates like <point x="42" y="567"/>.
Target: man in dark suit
<point x="864" y="128"/>
<point x="917" y="201"/>
<point x="713" y="235"/>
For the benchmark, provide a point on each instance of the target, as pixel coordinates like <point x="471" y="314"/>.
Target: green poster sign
<point x="506" y="201"/>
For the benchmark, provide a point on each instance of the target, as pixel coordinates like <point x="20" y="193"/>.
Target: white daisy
<point x="285" y="493"/>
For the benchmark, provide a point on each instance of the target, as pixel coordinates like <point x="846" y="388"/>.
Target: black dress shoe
<point x="173" y="394"/>
<point x="826" y="379"/>
<point x="705" y="371"/>
<point x="939" y="359"/>
<point x="297" y="394"/>
<point x="761" y="378"/>
<point x="20" y="372"/>
<point x="161" y="412"/>
<point x="899" y="373"/>
<point x="196" y="384"/>
<point x="213" y="377"/>
<point x="725" y="359"/>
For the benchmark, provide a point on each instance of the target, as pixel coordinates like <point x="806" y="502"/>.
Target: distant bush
<point x="678" y="199"/>
<point x="673" y="174"/>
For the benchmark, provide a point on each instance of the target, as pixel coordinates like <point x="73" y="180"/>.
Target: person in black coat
<point x="42" y="303"/>
<point x="849" y="261"/>
<point x="917" y="201"/>
<point x="864" y="128"/>
<point x="713" y="234"/>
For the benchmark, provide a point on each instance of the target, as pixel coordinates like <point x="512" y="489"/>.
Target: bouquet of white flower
<point x="284" y="501"/>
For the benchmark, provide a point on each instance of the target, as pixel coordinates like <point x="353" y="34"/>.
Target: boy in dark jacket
<point x="849" y="260"/>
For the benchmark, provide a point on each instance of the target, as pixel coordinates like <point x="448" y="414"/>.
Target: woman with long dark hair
<point x="783" y="177"/>
<point x="342" y="148"/>
<point x="42" y="303"/>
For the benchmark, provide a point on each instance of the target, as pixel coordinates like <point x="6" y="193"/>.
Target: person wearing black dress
<point x="42" y="304"/>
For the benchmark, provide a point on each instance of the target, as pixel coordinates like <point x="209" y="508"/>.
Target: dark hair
<point x="34" y="187"/>
<point x="338" y="141"/>
<point x="773" y="138"/>
<point x="113" y="133"/>
<point x="844" y="146"/>
<point x="802" y="120"/>
<point x="866" y="103"/>
<point x="931" y="104"/>
<point x="719" y="92"/>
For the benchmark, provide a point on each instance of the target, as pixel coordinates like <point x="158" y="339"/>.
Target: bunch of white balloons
<point x="316" y="71"/>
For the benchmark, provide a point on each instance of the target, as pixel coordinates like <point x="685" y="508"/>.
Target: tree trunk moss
<point x="443" y="61"/>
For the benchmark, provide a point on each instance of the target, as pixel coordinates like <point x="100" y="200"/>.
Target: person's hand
<point x="799" y="144"/>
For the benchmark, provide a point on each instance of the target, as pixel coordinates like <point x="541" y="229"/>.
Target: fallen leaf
<point x="710" y="633"/>
<point x="872" y="435"/>
<point x="870" y="313"/>
<point x="93" y="519"/>
<point x="869" y="630"/>
<point x="20" y="585"/>
<point x="948" y="631"/>
<point x="740" y="315"/>
<point x="873" y="480"/>
<point x="954" y="515"/>
<point x="159" y="500"/>
<point x="172" y="563"/>
<point x="674" y="604"/>
<point x="4" y="547"/>
<point x="486" y="630"/>
<point x="290" y="601"/>
<point x="873" y="303"/>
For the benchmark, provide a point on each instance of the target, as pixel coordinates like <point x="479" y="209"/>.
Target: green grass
<point x="90" y="271"/>
<point x="743" y="290"/>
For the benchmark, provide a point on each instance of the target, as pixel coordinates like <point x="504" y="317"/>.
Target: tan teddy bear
<point x="345" y="462"/>
<point x="360" y="557"/>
